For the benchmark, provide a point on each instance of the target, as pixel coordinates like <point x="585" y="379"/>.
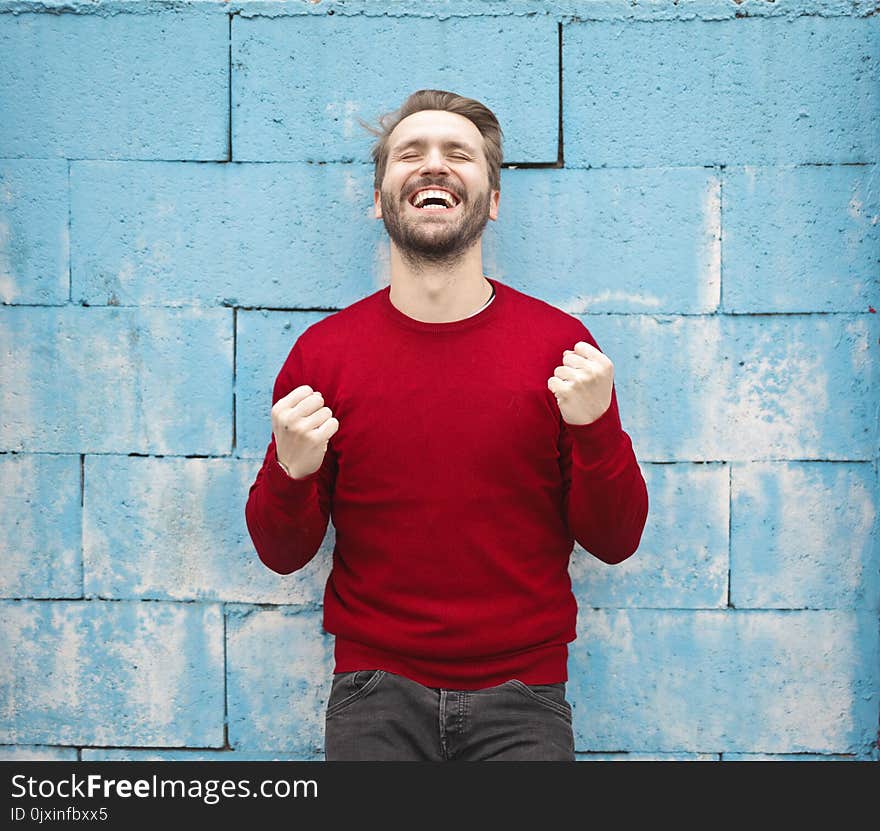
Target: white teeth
<point x="422" y="196"/>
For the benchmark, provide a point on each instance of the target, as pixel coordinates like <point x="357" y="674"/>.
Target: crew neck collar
<point x="483" y="315"/>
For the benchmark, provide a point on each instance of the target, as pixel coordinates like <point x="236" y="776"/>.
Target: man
<point x="463" y="435"/>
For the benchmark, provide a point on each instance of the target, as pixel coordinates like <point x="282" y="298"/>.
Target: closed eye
<point x="409" y="156"/>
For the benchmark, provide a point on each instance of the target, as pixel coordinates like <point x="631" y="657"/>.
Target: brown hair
<point x="437" y="99"/>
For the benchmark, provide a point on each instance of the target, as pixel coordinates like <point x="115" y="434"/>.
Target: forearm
<point x="607" y="500"/>
<point x="285" y="518"/>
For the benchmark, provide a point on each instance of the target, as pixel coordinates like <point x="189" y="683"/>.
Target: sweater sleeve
<point x="606" y="495"/>
<point x="287" y="518"/>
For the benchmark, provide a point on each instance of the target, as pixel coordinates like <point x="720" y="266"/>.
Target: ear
<point x="494" y="199"/>
<point x="377" y="205"/>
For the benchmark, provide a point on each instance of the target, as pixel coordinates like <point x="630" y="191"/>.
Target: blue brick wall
<point x="185" y="188"/>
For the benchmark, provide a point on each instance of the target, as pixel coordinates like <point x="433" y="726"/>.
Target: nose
<point x="434" y="161"/>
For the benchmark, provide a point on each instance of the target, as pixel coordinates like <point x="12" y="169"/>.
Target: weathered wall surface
<point x="184" y="187"/>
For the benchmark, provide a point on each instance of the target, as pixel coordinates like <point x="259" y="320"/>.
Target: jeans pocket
<point x="551" y="696"/>
<point x="348" y="687"/>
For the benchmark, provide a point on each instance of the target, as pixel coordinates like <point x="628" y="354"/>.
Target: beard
<point x="423" y="240"/>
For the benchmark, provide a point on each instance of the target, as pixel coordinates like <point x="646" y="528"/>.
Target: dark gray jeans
<point x="374" y="715"/>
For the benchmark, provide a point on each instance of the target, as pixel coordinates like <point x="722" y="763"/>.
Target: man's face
<point x="438" y="150"/>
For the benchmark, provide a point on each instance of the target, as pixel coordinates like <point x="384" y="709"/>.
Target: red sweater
<point x="456" y="491"/>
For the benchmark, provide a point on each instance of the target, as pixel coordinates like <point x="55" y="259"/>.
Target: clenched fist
<point x="582" y="384"/>
<point x="302" y="426"/>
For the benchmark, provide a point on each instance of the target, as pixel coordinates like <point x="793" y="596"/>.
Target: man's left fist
<point x="582" y="384"/>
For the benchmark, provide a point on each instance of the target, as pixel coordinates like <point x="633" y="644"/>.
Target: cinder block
<point x="637" y="240"/>
<point x="733" y="681"/>
<point x="789" y="757"/>
<point x="36" y="753"/>
<point x="96" y="673"/>
<point x="804" y="534"/>
<point x="300" y="83"/>
<point x="751" y="97"/>
<point x="93" y="380"/>
<point x="646" y="757"/>
<point x="175" y="529"/>
<point x="682" y="559"/>
<point x="745" y="388"/>
<point x="41" y="518"/>
<point x="276" y="235"/>
<point x="263" y="342"/>
<point x="801" y="239"/>
<point x="134" y="86"/>
<point x="34" y="238"/>
<point x="279" y="667"/>
<point x="135" y="755"/>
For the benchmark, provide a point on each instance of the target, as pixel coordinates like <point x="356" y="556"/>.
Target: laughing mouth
<point x="434" y="199"/>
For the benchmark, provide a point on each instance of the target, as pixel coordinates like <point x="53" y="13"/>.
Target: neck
<point x="439" y="293"/>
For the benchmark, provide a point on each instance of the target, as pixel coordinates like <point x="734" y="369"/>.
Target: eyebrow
<point x="420" y="142"/>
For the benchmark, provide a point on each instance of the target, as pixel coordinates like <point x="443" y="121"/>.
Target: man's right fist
<point x="302" y="426"/>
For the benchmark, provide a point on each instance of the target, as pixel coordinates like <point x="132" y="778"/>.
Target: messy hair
<point x="437" y="99"/>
